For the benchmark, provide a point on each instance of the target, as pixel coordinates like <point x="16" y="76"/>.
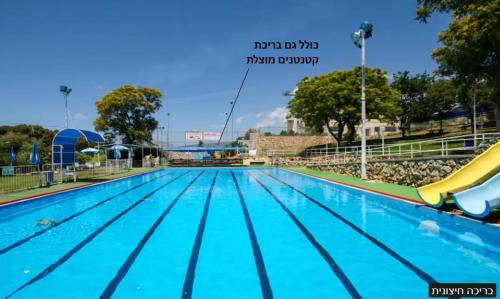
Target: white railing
<point x="281" y="153"/>
<point x="21" y="177"/>
<point x="14" y="178"/>
<point x="115" y="166"/>
<point x="17" y="178"/>
<point x="440" y="147"/>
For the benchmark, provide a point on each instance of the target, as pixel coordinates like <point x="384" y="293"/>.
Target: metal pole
<point x="168" y="133"/>
<point x="52" y="160"/>
<point x="66" y="110"/>
<point x="382" y="129"/>
<point x="475" y="127"/>
<point x="363" y="109"/>
<point x="161" y="143"/>
<point x="61" y="163"/>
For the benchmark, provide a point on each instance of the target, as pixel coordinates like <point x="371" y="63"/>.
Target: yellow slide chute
<point x="475" y="172"/>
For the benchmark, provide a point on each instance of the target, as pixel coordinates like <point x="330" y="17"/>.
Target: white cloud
<point x="275" y="118"/>
<point x="80" y="116"/>
<point x="239" y="120"/>
<point x="99" y="87"/>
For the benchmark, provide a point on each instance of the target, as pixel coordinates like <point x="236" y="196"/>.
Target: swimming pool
<point x="236" y="233"/>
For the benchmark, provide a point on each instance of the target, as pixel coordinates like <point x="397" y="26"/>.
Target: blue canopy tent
<point x="64" y="143"/>
<point x="207" y="160"/>
<point x="200" y="149"/>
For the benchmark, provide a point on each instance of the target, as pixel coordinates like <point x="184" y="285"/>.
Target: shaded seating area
<point x="207" y="159"/>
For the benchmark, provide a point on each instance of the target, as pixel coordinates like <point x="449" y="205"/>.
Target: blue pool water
<point x="236" y="233"/>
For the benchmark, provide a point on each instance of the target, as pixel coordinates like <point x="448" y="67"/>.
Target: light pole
<point x="365" y="31"/>
<point x="157" y="142"/>
<point x="65" y="90"/>
<point x="168" y="133"/>
<point x="160" y="141"/>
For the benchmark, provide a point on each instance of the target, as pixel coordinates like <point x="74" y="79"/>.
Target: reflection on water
<point x="471" y="238"/>
<point x="430" y="226"/>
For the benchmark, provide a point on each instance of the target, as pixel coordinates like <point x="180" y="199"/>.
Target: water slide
<point x="478" y="201"/>
<point x="477" y="171"/>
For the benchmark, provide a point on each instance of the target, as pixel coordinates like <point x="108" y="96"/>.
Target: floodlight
<point x="356" y="38"/>
<point x="367" y="28"/>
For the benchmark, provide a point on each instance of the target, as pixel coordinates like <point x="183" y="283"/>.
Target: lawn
<point x="81" y="181"/>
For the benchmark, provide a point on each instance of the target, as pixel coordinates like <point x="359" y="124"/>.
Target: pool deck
<point x="38" y="192"/>
<point x="398" y="191"/>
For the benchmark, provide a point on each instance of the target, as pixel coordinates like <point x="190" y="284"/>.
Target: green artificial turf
<point x="79" y="183"/>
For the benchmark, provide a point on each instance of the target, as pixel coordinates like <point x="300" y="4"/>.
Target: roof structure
<point x="64" y="143"/>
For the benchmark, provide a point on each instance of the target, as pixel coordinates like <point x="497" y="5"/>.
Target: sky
<point x="194" y="52"/>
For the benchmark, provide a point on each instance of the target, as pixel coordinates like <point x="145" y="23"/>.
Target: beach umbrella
<point x="35" y="155"/>
<point x="90" y="150"/>
<point x="117" y="153"/>
<point x="119" y="147"/>
<point x="12" y="155"/>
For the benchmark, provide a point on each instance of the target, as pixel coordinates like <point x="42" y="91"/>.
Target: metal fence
<point x="440" y="147"/>
<point x="17" y="178"/>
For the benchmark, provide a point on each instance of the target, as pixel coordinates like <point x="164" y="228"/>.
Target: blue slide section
<point x="479" y="200"/>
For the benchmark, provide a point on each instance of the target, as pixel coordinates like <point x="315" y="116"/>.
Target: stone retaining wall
<point x="263" y="144"/>
<point x="411" y="172"/>
<point x="414" y="173"/>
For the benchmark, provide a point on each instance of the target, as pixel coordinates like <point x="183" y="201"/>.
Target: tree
<point x="481" y="92"/>
<point x="333" y="100"/>
<point x="441" y="99"/>
<point x="412" y="91"/>
<point x="248" y="132"/>
<point x="128" y="112"/>
<point x="21" y="137"/>
<point x="471" y="43"/>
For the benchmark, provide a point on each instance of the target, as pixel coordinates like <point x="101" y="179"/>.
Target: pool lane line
<point x="187" y="289"/>
<point x="419" y="272"/>
<point x="57" y="223"/>
<point x="265" y="286"/>
<point x="90" y="237"/>
<point x="322" y="251"/>
<point x="113" y="284"/>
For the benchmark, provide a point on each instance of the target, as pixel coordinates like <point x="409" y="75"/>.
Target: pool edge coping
<point x="38" y="196"/>
<point x="397" y="197"/>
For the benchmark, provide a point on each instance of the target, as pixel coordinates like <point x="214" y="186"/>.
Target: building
<point x="374" y="127"/>
<point x="294" y="125"/>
